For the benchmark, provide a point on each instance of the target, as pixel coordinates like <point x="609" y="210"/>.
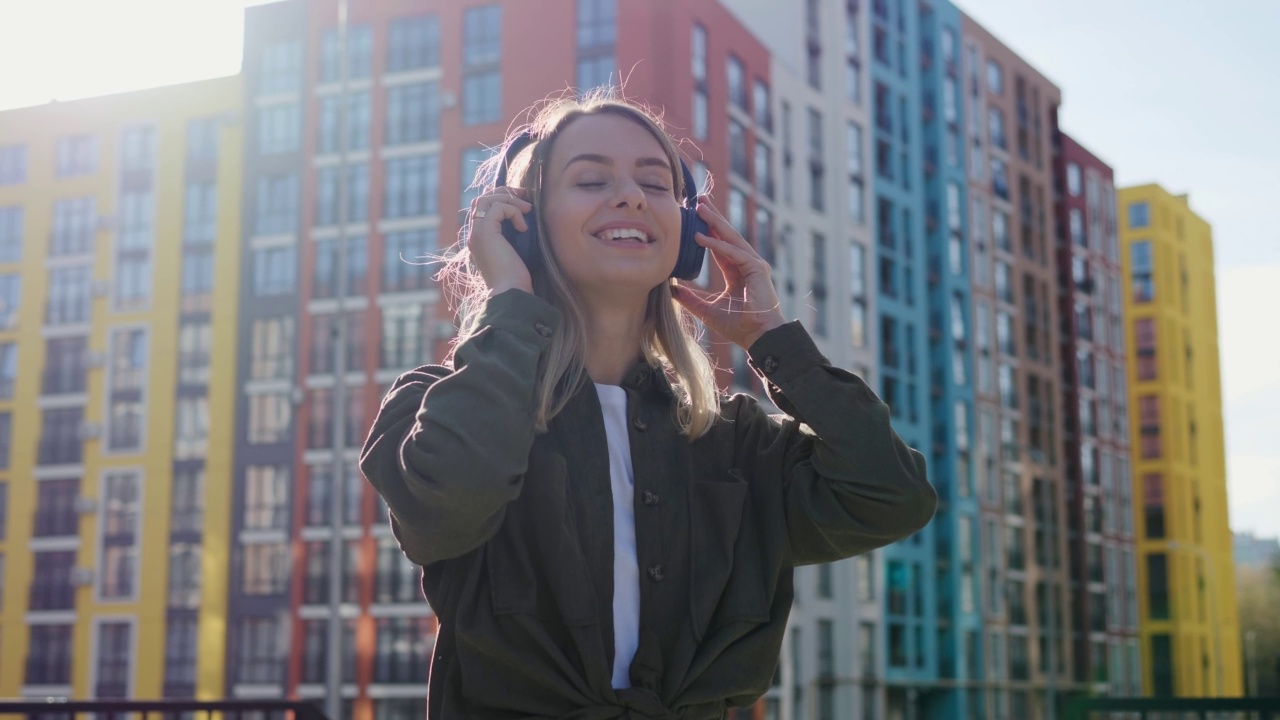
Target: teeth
<point x="624" y="233"/>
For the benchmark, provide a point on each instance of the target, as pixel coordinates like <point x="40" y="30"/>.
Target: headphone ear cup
<point x="692" y="255"/>
<point x="525" y="242"/>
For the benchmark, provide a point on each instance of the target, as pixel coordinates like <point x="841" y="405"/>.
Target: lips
<point x="625" y="233"/>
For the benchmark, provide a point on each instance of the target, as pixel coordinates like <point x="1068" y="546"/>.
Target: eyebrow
<point x="606" y="160"/>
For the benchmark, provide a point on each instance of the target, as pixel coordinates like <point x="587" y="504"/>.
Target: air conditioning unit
<point x="106" y="223"/>
<point x="95" y="359"/>
<point x="90" y="430"/>
<point x="81" y="577"/>
<point x="86" y="505"/>
<point x="101" y="288"/>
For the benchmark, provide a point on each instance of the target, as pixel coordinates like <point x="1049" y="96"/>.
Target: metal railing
<point x="60" y="709"/>
<point x="1253" y="708"/>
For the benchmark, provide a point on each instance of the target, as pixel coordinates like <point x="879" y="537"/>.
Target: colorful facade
<point x="1190" y="640"/>
<point x="1099" y="513"/>
<point x="118" y="216"/>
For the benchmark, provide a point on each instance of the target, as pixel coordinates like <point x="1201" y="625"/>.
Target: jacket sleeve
<point x="449" y="447"/>
<point x="850" y="484"/>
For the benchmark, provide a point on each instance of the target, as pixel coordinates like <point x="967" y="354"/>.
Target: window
<point x="277" y="205"/>
<point x="324" y="341"/>
<point x="261" y="653"/>
<point x="482" y="35"/>
<point x="49" y="655"/>
<point x="266" y="503"/>
<point x="818" y="279"/>
<point x="738" y="161"/>
<point x="995" y="128"/>
<point x="324" y="282"/>
<point x="760" y="105"/>
<point x="403" y="337"/>
<point x="482" y="98"/>
<point x="13" y="164"/>
<point x="1153" y="504"/>
<point x="999" y="178"/>
<point x="202" y="139"/>
<point x="272" y="348"/>
<point x="266" y="568"/>
<point x="114" y="643"/>
<point x="127" y="381"/>
<point x="51" y="587"/>
<point x="1073" y="179"/>
<point x="76" y="155"/>
<point x="275" y="271"/>
<point x="279" y="129"/>
<point x="472" y="159"/>
<point x="10" y="298"/>
<point x="132" y="288"/>
<point x="414" y="43"/>
<point x="1139" y="215"/>
<point x="413" y="113"/>
<point x="597" y="33"/>
<point x="995" y="77"/>
<point x="6" y="439"/>
<point x="315" y="658"/>
<point x="1149" y="418"/>
<point x="191" y="428"/>
<point x="1142" y="269"/>
<point x="60" y="442"/>
<point x="74" y="224"/>
<point x="11" y="225"/>
<point x="359" y="54"/>
<point x="699" y="54"/>
<point x="358" y="121"/>
<point x="699" y="115"/>
<point x="320" y="496"/>
<point x="187" y="509"/>
<point x="320" y="421"/>
<point x="118" y="571"/>
<point x="397" y="578"/>
<point x="195" y="346"/>
<point x="56" y="514"/>
<point x="181" y="646"/>
<point x="1145" y="330"/>
<point x="817" y="189"/>
<point x="270" y="415"/>
<point x="280" y="68"/>
<point x="405" y="265"/>
<point x="737" y="82"/>
<point x="138" y="148"/>
<point x="1162" y="665"/>
<point x="401" y="652"/>
<point x="200" y="213"/>
<point x="8" y="369"/>
<point x="412" y="186"/>
<point x="1158" y="586"/>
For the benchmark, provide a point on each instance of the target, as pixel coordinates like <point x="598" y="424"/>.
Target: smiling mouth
<point x="629" y="235"/>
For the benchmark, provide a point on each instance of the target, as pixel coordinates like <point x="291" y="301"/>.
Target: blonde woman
<point x="603" y="534"/>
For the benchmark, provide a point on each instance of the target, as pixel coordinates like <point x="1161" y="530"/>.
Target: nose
<point x="629" y="194"/>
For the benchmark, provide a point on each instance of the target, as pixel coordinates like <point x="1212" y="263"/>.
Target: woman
<point x="603" y="535"/>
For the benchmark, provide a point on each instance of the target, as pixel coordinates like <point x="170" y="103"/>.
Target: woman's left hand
<point x="748" y="307"/>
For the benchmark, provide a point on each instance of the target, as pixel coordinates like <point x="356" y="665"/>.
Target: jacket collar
<point x="643" y="377"/>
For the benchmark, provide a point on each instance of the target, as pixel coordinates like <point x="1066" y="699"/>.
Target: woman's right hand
<point x="495" y="257"/>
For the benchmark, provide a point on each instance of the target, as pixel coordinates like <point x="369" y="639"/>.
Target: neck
<point x="615" y="331"/>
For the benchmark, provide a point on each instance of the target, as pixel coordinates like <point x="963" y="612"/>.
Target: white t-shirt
<point x="626" y="568"/>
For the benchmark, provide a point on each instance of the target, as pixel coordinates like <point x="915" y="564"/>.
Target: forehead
<point x="622" y="139"/>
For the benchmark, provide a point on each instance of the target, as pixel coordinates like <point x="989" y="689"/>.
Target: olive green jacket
<point x="515" y="529"/>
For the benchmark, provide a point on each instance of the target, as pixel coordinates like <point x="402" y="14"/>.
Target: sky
<point x="1179" y="92"/>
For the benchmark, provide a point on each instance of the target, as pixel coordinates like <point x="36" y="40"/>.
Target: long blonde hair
<point x="670" y="341"/>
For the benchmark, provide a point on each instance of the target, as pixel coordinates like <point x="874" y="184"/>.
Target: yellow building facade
<point x="1187" y="606"/>
<point x="116" y="216"/>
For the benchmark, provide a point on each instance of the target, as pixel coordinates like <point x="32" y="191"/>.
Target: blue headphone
<point x="692" y="255"/>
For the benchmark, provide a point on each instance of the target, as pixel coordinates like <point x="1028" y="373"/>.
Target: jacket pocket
<point x="534" y="563"/>
<point x="727" y="584"/>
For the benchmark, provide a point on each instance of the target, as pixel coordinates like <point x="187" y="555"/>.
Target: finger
<point x="505" y="194"/>
<point x="498" y="211"/>
<point x="742" y="258"/>
<point x="721" y="226"/>
<point x="692" y="302"/>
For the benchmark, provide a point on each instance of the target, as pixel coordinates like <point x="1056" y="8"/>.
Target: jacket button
<point x="639" y="424"/>
<point x="650" y="498"/>
<point x="655" y="573"/>
<point x="770" y="364"/>
<point x="543" y="329"/>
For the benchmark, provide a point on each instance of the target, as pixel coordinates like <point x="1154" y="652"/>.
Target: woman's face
<point x="609" y="206"/>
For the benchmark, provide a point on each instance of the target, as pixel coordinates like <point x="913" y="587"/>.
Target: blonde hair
<point x="670" y="339"/>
